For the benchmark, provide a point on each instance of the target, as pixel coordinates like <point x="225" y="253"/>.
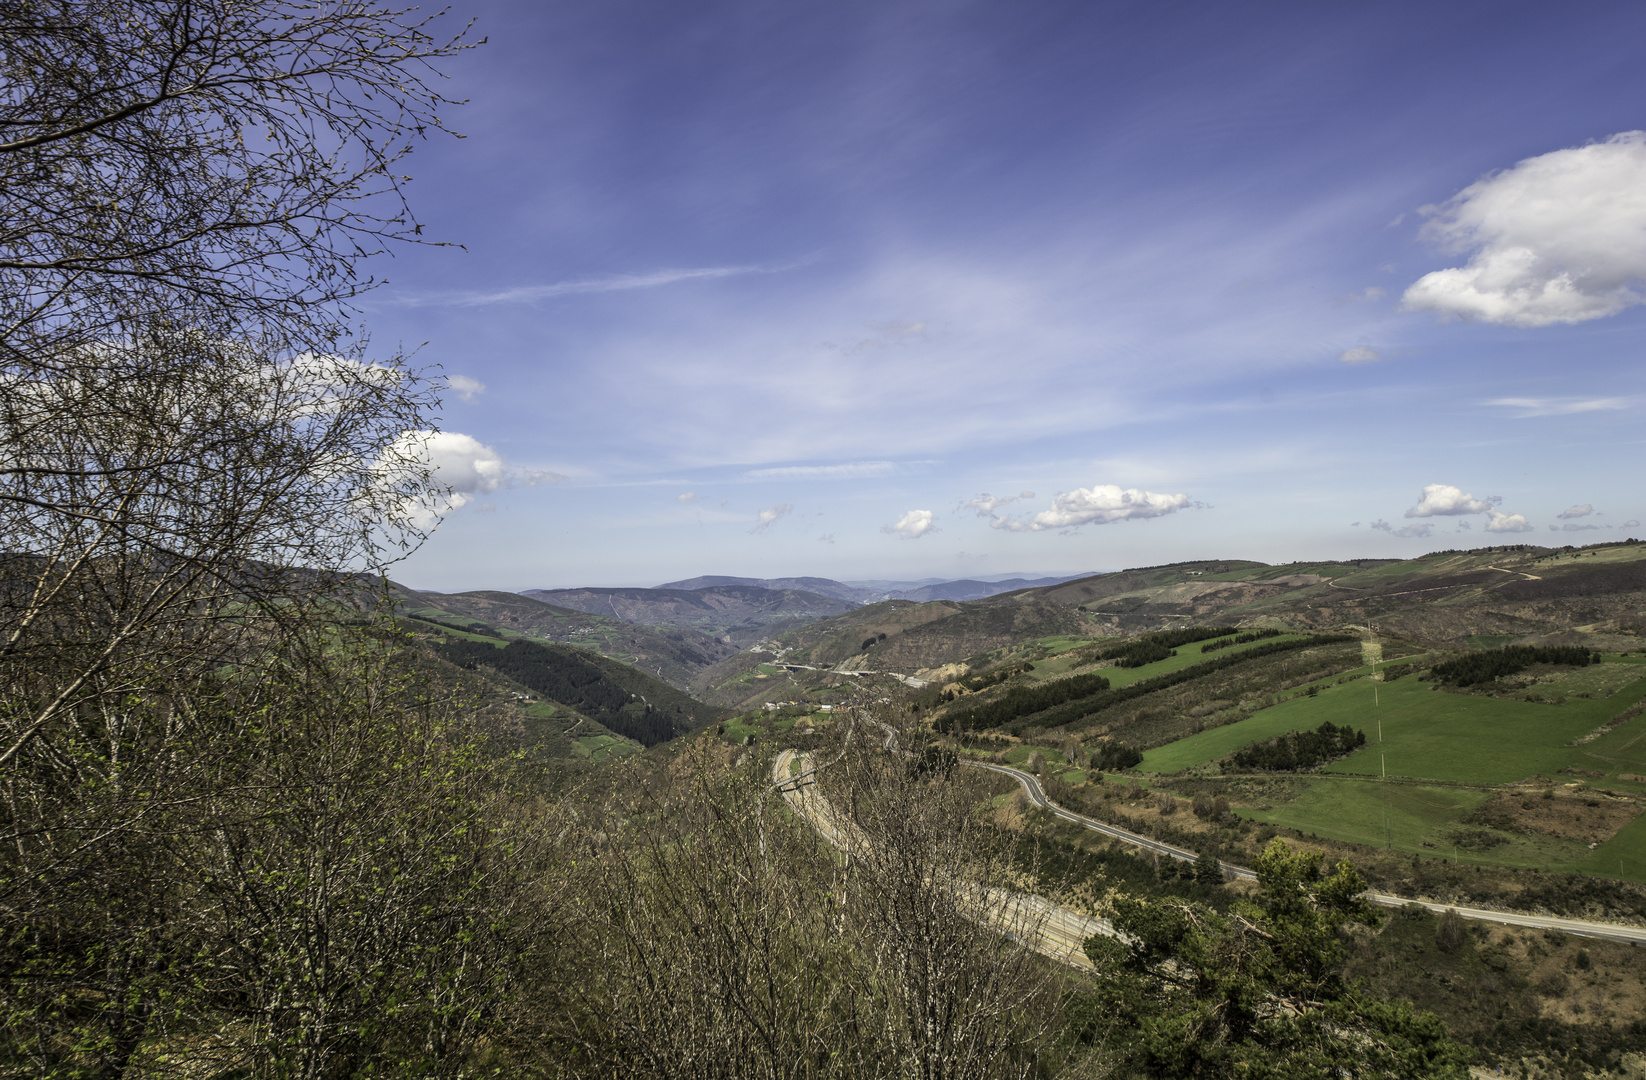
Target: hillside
<point x="1439" y="599"/>
<point x="741" y="614"/>
<point x="676" y="656"/>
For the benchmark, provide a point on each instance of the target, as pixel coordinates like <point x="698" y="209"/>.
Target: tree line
<point x="1063" y="706"/>
<point x="1487" y="665"/>
<point x="1298" y="750"/>
<point x="1241" y="639"/>
<point x="580" y="682"/>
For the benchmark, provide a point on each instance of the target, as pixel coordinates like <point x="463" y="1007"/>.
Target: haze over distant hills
<point x="869" y="592"/>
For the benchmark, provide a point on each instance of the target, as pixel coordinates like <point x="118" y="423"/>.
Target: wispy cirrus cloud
<point x="1525" y="407"/>
<point x="530" y="294"/>
<point x="850" y="470"/>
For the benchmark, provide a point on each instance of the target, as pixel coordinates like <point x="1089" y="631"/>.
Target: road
<point x="1632" y="935"/>
<point x="1049" y="929"/>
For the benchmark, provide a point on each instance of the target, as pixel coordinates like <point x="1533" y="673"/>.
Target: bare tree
<point x="195" y="457"/>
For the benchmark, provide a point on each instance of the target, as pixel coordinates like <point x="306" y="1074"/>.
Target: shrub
<point x="1450" y="932"/>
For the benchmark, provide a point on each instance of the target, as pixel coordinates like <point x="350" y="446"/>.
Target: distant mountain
<point x="735" y="610"/>
<point x="674" y="655"/>
<point x="869" y="592"/>
<point x="976" y="590"/>
<point x="837" y="590"/>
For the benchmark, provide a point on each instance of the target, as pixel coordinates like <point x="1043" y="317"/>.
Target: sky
<point x="930" y="288"/>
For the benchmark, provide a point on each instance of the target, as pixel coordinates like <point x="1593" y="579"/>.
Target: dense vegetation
<point x="1064" y="703"/>
<point x="1489" y="664"/>
<point x="1152" y="647"/>
<point x="646" y="710"/>
<point x="1021" y="701"/>
<point x="1297" y="750"/>
<point x="1240" y="639"/>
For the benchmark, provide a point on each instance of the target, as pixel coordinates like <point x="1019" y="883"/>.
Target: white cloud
<point x="1097" y="505"/>
<point x="1631" y="524"/>
<point x="1580" y="528"/>
<point x="464" y="387"/>
<point x="912" y="525"/>
<point x="850" y="470"/>
<point x="1581" y="510"/>
<point x="1558" y="406"/>
<point x="686" y="497"/>
<point x="1444" y="500"/>
<point x="1419" y="530"/>
<point x="1361" y="355"/>
<point x="460" y="464"/>
<point x="526" y="294"/>
<point x="986" y="504"/>
<point x="771" y="516"/>
<point x="1506" y="523"/>
<point x="1558" y="238"/>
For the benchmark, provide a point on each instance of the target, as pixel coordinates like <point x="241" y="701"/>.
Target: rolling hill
<point x="740" y="613"/>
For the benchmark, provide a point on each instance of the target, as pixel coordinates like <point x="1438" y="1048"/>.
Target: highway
<point x="1633" y="935"/>
<point x="1053" y="931"/>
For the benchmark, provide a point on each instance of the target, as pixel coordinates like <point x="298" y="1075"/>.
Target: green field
<point x="602" y="747"/>
<point x="1442" y="751"/>
<point x="1432" y="734"/>
<point x="1187" y="656"/>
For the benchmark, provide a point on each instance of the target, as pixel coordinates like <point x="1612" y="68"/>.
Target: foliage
<point x="1021" y="701"/>
<point x="1064" y="702"/>
<point x="630" y="704"/>
<point x="1258" y="992"/>
<point x="1298" y="750"/>
<point x="1114" y="756"/>
<point x="1240" y="639"/>
<point x="1489" y="664"/>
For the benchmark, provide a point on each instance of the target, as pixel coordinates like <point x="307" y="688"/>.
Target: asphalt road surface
<point x="1633" y="935"/>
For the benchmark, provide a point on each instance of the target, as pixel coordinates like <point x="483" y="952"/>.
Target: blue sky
<point x="787" y="288"/>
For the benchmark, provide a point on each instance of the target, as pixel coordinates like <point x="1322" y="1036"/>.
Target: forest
<point x="1299" y="750"/>
<point x="1487" y="665"/>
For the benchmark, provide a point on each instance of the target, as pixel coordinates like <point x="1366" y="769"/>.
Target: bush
<point x="1299" y="749"/>
<point x="1450" y="932"/>
<point x="1203" y="806"/>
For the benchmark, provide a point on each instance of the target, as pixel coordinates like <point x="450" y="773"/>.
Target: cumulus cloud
<point x="1362" y="355"/>
<point x="1098" y="505"/>
<point x="1631" y="524"/>
<point x="986" y="504"/>
<point x="912" y="525"/>
<point x="1580" y="511"/>
<point x="1506" y="523"/>
<point x="1444" y="500"/>
<point x="771" y="516"/>
<point x="1464" y="526"/>
<point x="460" y="468"/>
<point x="1558" y="238"/>
<point x="1580" y="528"/>
<point x="685" y="497"/>
<point x="464" y="387"/>
<point x="460" y="464"/>
<point x="1557" y="406"/>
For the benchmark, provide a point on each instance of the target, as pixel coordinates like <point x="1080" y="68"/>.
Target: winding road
<point x="1632" y="935"/>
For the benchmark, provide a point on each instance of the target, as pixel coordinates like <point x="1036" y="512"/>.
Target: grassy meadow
<point x="1444" y="753"/>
